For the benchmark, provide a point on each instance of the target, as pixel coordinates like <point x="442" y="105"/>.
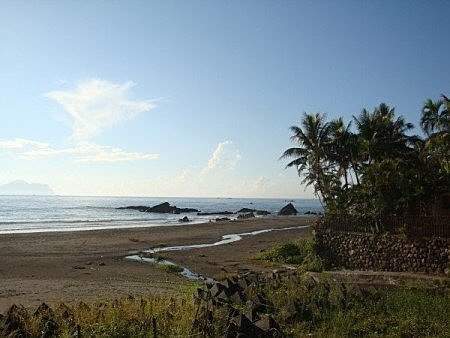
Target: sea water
<point x="25" y="214"/>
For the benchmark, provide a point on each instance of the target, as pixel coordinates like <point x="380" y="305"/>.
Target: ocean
<point x="26" y="214"/>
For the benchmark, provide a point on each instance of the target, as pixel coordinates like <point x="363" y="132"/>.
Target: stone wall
<point x="364" y="251"/>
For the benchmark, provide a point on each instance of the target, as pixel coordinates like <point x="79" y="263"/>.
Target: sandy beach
<point x="70" y="266"/>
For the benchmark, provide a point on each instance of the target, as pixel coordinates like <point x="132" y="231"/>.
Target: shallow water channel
<point x="188" y="273"/>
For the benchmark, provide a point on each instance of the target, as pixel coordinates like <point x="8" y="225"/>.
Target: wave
<point x="78" y="221"/>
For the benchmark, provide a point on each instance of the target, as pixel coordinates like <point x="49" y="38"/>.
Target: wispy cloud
<point x="21" y="143"/>
<point x="82" y="152"/>
<point x="94" y="105"/>
<point x="97" y="104"/>
<point x="225" y="156"/>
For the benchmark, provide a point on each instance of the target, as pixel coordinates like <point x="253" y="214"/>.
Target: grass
<point x="326" y="309"/>
<point x="301" y="305"/>
<point x="126" y="317"/>
<point x="302" y="253"/>
<point x="170" y="268"/>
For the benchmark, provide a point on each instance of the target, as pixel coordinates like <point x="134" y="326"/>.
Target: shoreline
<point x="146" y="226"/>
<point x="75" y="265"/>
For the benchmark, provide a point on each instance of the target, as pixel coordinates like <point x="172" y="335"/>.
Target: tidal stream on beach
<point x="147" y="256"/>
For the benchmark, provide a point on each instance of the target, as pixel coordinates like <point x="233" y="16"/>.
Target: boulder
<point x="185" y="219"/>
<point x="262" y="212"/>
<point x="287" y="210"/>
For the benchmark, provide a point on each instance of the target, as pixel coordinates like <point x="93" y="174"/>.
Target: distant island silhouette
<point x="20" y="187"/>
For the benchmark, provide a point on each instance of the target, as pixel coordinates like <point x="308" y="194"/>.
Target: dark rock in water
<point x="309" y="212"/>
<point x="141" y="208"/>
<point x="246" y="210"/>
<point x="258" y="212"/>
<point x="245" y="216"/>
<point x="163" y="208"/>
<point x="166" y="208"/>
<point x="287" y="210"/>
<point x="215" y="213"/>
<point x="185" y="219"/>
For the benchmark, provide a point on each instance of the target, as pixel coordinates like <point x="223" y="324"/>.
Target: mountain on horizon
<point x="20" y="187"/>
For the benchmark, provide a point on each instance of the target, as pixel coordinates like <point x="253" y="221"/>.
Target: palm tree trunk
<point x="356" y="173"/>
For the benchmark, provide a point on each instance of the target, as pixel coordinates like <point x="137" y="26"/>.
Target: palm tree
<point x="434" y="119"/>
<point x="342" y="147"/>
<point x="382" y="135"/>
<point x="310" y="157"/>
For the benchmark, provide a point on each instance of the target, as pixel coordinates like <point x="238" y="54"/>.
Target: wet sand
<point x="87" y="265"/>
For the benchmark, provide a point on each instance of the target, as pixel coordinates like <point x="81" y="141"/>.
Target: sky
<point x="195" y="98"/>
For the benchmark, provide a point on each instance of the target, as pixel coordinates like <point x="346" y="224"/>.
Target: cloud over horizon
<point x="81" y="152"/>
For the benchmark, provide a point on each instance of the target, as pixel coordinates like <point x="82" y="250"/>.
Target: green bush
<point x="302" y="252"/>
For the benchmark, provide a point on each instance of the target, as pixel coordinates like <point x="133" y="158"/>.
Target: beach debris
<point x="78" y="267"/>
<point x="288" y="210"/>
<point x="185" y="219"/>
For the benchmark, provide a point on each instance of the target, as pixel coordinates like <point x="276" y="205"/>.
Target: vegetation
<point x="303" y="253"/>
<point x="304" y="306"/>
<point x="376" y="169"/>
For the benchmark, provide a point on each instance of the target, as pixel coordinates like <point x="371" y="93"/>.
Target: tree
<point x="343" y="148"/>
<point x="435" y="116"/>
<point x="310" y="160"/>
<point x="382" y="135"/>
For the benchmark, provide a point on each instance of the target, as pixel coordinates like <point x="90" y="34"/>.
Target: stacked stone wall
<point x="384" y="252"/>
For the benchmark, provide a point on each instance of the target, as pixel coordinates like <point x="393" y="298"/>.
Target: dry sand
<point x="85" y="265"/>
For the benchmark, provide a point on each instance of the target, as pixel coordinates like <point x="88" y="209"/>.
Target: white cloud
<point x="94" y="105"/>
<point x="225" y="156"/>
<point x="97" y="104"/>
<point x="81" y="152"/>
<point x="20" y="143"/>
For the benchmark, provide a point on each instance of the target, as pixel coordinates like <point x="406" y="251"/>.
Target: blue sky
<point x="194" y="98"/>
